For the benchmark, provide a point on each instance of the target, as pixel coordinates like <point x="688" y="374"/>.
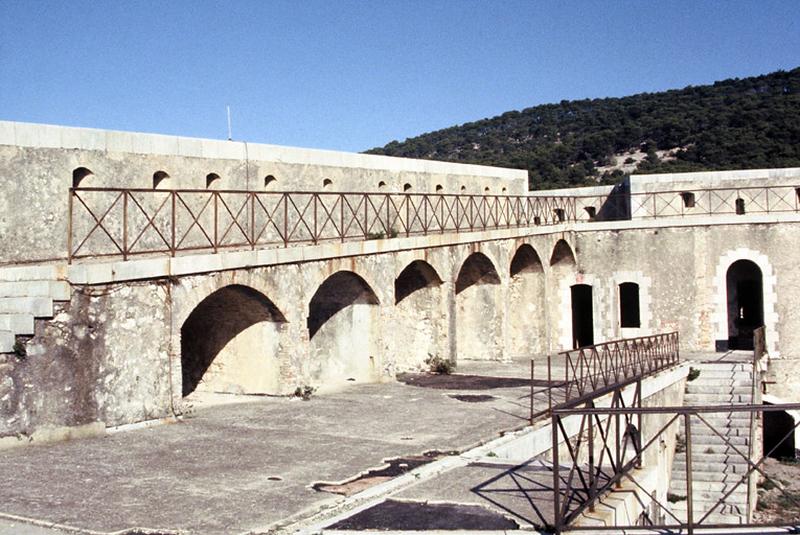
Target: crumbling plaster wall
<point x="103" y="357"/>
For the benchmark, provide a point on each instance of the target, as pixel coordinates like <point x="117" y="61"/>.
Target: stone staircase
<point x="26" y="293"/>
<point x="716" y="467"/>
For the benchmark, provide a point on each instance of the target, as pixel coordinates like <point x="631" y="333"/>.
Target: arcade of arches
<point x="479" y="304"/>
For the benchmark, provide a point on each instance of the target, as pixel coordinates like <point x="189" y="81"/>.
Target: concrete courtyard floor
<point x="249" y="465"/>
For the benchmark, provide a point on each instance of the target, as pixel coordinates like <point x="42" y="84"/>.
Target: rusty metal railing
<point x="129" y="222"/>
<point x="759" y="351"/>
<point x="689" y="202"/>
<point x="590" y="369"/>
<point x="609" y="445"/>
<point x="598" y="445"/>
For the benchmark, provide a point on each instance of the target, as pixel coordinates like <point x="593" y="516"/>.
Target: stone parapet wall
<point x="37" y="164"/>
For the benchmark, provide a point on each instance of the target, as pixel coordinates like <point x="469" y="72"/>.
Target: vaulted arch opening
<point x="229" y="343"/>
<point x="476" y="269"/>
<point x="562" y="256"/>
<point x="160" y="180"/>
<point x="416" y="276"/>
<point x="526" y="318"/>
<point x="79" y="174"/>
<point x="343" y="325"/>
<point x="525" y="260"/>
<point x="213" y="181"/>
<point x="419" y="327"/>
<point x="745" y="303"/>
<point x="479" y="310"/>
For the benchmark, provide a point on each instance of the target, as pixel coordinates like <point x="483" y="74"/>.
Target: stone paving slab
<point x="244" y="466"/>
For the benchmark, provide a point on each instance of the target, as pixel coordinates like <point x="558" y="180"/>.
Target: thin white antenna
<point x="230" y="134"/>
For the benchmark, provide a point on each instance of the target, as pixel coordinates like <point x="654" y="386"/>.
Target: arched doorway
<point x="343" y="323"/>
<point x="582" y="315"/>
<point x="479" y="331"/>
<point x="744" y="283"/>
<point x="419" y="314"/>
<point x="229" y="343"/>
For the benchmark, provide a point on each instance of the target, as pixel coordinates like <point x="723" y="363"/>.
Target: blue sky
<point x="351" y="75"/>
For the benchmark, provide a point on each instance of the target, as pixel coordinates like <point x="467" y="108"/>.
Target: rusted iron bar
<point x="567" y="409"/>
<point x="464" y="213"/>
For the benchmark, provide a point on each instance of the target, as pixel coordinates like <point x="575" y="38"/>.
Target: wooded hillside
<point x="734" y="124"/>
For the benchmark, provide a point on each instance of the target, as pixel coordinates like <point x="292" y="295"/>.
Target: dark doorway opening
<point x="745" y="303"/>
<point x="582" y="317"/>
<point x="629" y="305"/>
<point x="777" y="424"/>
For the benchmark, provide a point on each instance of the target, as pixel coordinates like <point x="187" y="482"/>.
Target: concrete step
<point x="715" y="399"/>
<point x="720" y="366"/>
<point x="730" y="474"/>
<point x="724" y="509"/>
<point x="699" y="511"/>
<point x="38" y="272"/>
<point x="715" y="417"/>
<point x="726" y="431"/>
<point x="716" y="460"/>
<point x="702" y="506"/>
<point x="7" y="340"/>
<point x="37" y="306"/>
<point x="693" y="390"/>
<point x="717" y="471"/>
<point x="705" y="443"/>
<point x="17" y="323"/>
<point x="711" y="376"/>
<point x="56" y="290"/>
<point x="713" y="487"/>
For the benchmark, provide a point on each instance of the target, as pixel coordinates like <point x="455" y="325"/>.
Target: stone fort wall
<point x="37" y="163"/>
<point x="113" y="353"/>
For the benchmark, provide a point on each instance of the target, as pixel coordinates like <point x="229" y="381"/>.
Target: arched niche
<point x="562" y="255"/>
<point x="479" y="310"/>
<point x="420" y="316"/>
<point x="344" y="331"/>
<point x="526" y="318"/>
<point x="229" y="343"/>
<point x="476" y="269"/>
<point x="160" y="180"/>
<point x="213" y="181"/>
<point x="79" y="175"/>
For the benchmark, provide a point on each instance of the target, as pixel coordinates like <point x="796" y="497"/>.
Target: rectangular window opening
<point x="739" y="206"/>
<point x="559" y="214"/>
<point x="688" y="199"/>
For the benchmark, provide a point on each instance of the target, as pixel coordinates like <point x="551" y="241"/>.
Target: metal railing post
<point x="687" y="426"/>
<point x="216" y="220"/>
<point x="125" y="225"/>
<point x="253" y="220"/>
<point x="69" y="226"/>
<point x="532" y="392"/>
<point x="173" y="245"/>
<point x="556" y="476"/>
<point x="549" y="387"/>
<point x="592" y="478"/>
